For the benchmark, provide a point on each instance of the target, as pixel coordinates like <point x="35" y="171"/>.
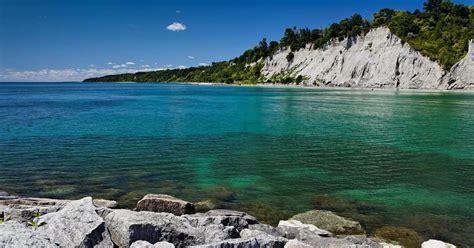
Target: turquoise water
<point x="383" y="157"/>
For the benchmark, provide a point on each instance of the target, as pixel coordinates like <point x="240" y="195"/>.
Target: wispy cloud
<point x="182" y="67"/>
<point x="110" y="63"/>
<point x="203" y="64"/>
<point x="178" y="11"/>
<point x="130" y="63"/>
<point x="119" y="66"/>
<point x="60" y="75"/>
<point x="176" y="27"/>
<point x="145" y="66"/>
<point x="191" y="57"/>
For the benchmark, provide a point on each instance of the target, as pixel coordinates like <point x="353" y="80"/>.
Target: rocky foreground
<point x="164" y="221"/>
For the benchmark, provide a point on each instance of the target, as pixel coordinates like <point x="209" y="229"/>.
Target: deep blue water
<point x="400" y="158"/>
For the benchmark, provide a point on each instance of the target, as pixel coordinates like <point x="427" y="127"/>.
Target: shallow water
<point x="383" y="157"/>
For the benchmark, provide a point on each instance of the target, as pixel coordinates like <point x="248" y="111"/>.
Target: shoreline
<point x="296" y="86"/>
<point x="176" y="223"/>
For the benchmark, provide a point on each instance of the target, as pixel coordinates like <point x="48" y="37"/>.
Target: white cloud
<point x="61" y="75"/>
<point x="92" y="65"/>
<point x="110" y="63"/>
<point x="178" y="11"/>
<point x="119" y="66"/>
<point x="145" y="66"/>
<point x="176" y="27"/>
<point x="168" y="65"/>
<point x="130" y="63"/>
<point x="191" y="57"/>
<point x="203" y="64"/>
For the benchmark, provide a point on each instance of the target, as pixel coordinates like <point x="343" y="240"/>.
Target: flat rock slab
<point x="165" y="203"/>
<point x="330" y="221"/>
<point x="16" y="234"/>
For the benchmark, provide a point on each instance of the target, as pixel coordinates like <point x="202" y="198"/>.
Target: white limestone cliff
<point x="378" y="59"/>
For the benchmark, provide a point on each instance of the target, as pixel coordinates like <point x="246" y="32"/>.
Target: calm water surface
<point x="382" y="157"/>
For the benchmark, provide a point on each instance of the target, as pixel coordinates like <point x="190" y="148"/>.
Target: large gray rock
<point x="294" y="243"/>
<point x="15" y="234"/>
<point x="239" y="220"/>
<point x="4" y="193"/>
<point x="294" y="229"/>
<point x="232" y="243"/>
<point x="267" y="229"/>
<point x="76" y="225"/>
<point x="433" y="243"/>
<point x="328" y="220"/>
<point x="165" y="203"/>
<point x="264" y="239"/>
<point x="127" y="226"/>
<point x="145" y="244"/>
<point x="215" y="233"/>
<point x="102" y="203"/>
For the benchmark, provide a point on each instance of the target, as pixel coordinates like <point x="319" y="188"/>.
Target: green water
<point x="382" y="157"/>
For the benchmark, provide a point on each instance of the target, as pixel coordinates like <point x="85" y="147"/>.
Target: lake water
<point x="398" y="158"/>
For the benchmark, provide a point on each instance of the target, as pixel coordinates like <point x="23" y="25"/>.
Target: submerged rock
<point x="433" y="243"/>
<point x="328" y="220"/>
<point x="165" y="203"/>
<point x="16" y="234"/>
<point x="77" y="224"/>
<point x="404" y="236"/>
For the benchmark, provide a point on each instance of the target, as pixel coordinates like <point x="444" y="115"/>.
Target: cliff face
<point x="378" y="59"/>
<point x="461" y="75"/>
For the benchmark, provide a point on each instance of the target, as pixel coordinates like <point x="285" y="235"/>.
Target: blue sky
<point x="59" y="40"/>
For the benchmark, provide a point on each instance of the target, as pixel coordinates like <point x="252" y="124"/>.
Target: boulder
<point x="4" y="193"/>
<point x="328" y="220"/>
<point x="165" y="203"/>
<point x="102" y="203"/>
<point x="433" y="243"/>
<point x="25" y="213"/>
<point x="239" y="220"/>
<point x="294" y="243"/>
<point x="126" y="227"/>
<point x="267" y="229"/>
<point x="215" y="233"/>
<point x="32" y="201"/>
<point x="77" y="224"/>
<point x="16" y="234"/>
<point x="293" y="229"/>
<point x="232" y="243"/>
<point x="264" y="239"/>
<point x="145" y="244"/>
